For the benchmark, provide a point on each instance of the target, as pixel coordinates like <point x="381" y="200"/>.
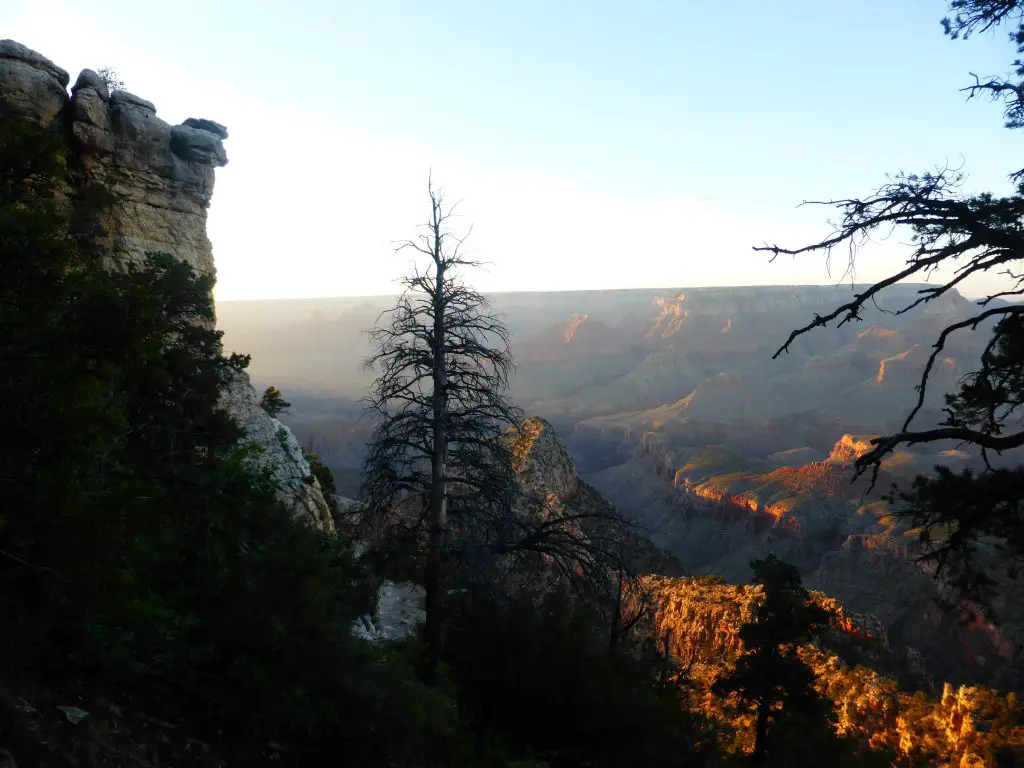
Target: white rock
<point x="280" y="452"/>
<point x="399" y="612"/>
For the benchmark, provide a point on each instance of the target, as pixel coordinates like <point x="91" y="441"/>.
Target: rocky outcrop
<point x="542" y="462"/>
<point x="849" y="448"/>
<point x="400" y="610"/>
<point x="279" y="451"/>
<point x="33" y="87"/>
<point x="161" y="178"/>
<point x="161" y="175"/>
<point x="551" y="487"/>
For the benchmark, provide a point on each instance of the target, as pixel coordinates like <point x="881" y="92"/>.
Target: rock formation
<point x="551" y="485"/>
<point x="399" y="611"/>
<point x="162" y="180"/>
<point x="280" y="451"/>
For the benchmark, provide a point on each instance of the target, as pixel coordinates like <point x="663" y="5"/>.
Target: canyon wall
<point x="716" y="519"/>
<point x="870" y="684"/>
<point x="161" y="177"/>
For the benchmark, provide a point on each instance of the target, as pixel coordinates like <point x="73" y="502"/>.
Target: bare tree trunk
<point x="616" y="628"/>
<point x="760" y="732"/>
<point x="438" y="470"/>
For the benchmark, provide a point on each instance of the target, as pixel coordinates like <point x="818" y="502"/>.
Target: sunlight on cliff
<point x="699" y="619"/>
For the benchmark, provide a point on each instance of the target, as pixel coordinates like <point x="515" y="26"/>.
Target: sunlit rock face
<point x="162" y="179"/>
<point x="849" y="448"/>
<point x="547" y="475"/>
<point x="542" y="462"/>
<point x="872" y="687"/>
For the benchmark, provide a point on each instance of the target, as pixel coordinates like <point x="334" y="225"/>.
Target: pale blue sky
<point x="595" y="144"/>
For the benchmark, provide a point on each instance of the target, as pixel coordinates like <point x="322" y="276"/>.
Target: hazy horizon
<point x="593" y="146"/>
<point x="639" y="289"/>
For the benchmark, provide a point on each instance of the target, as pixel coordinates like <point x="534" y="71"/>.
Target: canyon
<point x="666" y="404"/>
<point x="671" y="406"/>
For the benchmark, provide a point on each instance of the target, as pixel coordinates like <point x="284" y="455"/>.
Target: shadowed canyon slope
<point x="672" y="407"/>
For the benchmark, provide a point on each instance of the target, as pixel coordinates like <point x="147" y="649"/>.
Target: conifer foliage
<point x="770" y="676"/>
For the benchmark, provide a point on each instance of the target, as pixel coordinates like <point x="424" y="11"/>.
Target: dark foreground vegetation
<point x="160" y="607"/>
<point x="149" y="578"/>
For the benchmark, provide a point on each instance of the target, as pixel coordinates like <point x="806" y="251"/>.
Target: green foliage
<point x="110" y="79"/>
<point x="538" y="673"/>
<point x="273" y="401"/>
<point x="770" y="676"/>
<point x="966" y="521"/>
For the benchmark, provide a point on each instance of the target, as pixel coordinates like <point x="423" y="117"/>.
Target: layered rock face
<point x="547" y="475"/>
<point x="698" y="621"/>
<point x="161" y="177"/>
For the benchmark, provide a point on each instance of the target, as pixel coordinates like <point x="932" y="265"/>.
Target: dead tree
<point x="439" y="473"/>
<point x="444" y="365"/>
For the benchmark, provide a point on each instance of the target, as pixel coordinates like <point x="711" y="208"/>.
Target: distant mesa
<point x="795" y="457"/>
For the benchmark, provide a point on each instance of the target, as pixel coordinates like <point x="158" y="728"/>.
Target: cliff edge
<point x="161" y="177"/>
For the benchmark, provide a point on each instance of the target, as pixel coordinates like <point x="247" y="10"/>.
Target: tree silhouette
<point x="444" y="365"/>
<point x="769" y="675"/>
<point x="440" y="474"/>
<point x="968" y="235"/>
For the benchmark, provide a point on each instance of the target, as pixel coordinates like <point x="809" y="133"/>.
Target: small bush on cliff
<point x="111" y="79"/>
<point x="273" y="401"/>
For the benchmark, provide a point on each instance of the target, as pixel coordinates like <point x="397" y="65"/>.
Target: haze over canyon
<point x="671" y="405"/>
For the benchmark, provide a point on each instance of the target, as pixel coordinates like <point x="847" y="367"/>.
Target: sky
<point x="591" y="144"/>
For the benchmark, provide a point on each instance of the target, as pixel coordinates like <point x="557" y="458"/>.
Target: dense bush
<point x="537" y="672"/>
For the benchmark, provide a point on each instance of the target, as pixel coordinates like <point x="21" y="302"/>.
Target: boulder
<point x="87" y="78"/>
<point x="31" y="86"/>
<point x="126" y="99"/>
<point x="207" y="125"/>
<point x="197" y="146"/>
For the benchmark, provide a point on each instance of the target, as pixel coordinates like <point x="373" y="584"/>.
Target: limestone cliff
<point x="162" y="180"/>
<point x="280" y="451"/>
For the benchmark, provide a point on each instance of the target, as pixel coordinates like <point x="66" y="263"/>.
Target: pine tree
<point x="769" y="675"/>
<point x="273" y="401"/>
